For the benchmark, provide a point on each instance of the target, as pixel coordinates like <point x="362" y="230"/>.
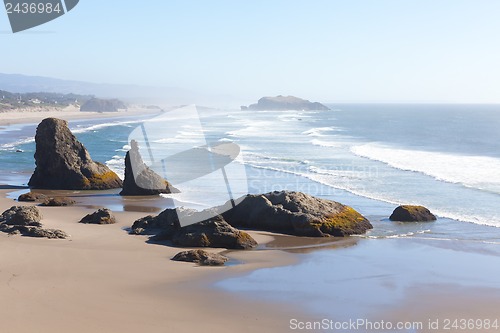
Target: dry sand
<point x="35" y="115"/>
<point x="104" y="280"/>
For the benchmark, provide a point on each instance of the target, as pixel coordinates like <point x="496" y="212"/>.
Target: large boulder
<point x="409" y="213"/>
<point x="211" y="232"/>
<point x="214" y="232"/>
<point x="101" y="216"/>
<point x="201" y="257"/>
<point x="25" y="220"/>
<point x="63" y="163"/>
<point x="296" y="213"/>
<point x="140" y="179"/>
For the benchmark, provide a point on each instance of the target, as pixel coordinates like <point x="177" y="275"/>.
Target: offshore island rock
<point x="282" y="103"/>
<point x="140" y="179"/>
<point x="63" y="163"/>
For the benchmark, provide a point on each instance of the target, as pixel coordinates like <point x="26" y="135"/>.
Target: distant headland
<point x="282" y="103"/>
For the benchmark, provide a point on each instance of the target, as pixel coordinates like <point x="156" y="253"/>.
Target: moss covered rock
<point x="63" y="163"/>
<point x="409" y="213"/>
<point x="296" y="213"/>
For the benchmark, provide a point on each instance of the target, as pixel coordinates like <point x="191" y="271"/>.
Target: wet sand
<point x="406" y="280"/>
<point x="103" y="280"/>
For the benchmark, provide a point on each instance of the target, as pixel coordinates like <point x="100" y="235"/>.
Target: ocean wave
<point x="125" y="148"/>
<point x="480" y="172"/>
<point x="327" y="144"/>
<point x="336" y="179"/>
<point x="320" y="131"/>
<point x="117" y="165"/>
<point x="83" y="129"/>
<point x="253" y="129"/>
<point x="410" y="234"/>
<point x="15" y="144"/>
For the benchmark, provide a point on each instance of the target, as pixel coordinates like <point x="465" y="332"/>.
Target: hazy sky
<point x="331" y="50"/>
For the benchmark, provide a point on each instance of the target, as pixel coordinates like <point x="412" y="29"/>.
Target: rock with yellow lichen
<point x="410" y="213"/>
<point x="63" y="163"/>
<point x="296" y="213"/>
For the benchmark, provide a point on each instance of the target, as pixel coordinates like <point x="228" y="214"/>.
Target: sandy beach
<point x="104" y="280"/>
<point x="35" y="115"/>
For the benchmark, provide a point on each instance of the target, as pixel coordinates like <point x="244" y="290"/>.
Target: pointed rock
<point x="63" y="163"/>
<point x="140" y="179"/>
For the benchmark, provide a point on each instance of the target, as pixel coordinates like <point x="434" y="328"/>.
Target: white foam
<point x="327" y="144"/>
<point x="479" y="172"/>
<point x="117" y="165"/>
<point x="13" y="145"/>
<point x="81" y="129"/>
<point x="320" y="131"/>
<point x="340" y="179"/>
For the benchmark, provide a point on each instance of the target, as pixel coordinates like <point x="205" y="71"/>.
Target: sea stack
<point x="63" y="163"/>
<point x="140" y="179"/>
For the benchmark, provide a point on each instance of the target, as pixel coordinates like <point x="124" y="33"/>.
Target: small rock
<point x="409" y="213"/>
<point x="102" y="216"/>
<point x="25" y="220"/>
<point x="58" y="202"/>
<point x="201" y="257"/>
<point x="22" y="216"/>
<point x="43" y="233"/>
<point x="31" y="197"/>
<point x="213" y="232"/>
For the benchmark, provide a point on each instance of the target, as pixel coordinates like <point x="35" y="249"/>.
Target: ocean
<point x="372" y="157"/>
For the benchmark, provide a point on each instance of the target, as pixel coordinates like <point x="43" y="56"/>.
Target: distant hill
<point x="279" y="103"/>
<point x="11" y="101"/>
<point x="17" y="83"/>
<point x="103" y="105"/>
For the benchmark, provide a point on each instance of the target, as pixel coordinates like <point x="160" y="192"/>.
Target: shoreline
<point x="18" y="117"/>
